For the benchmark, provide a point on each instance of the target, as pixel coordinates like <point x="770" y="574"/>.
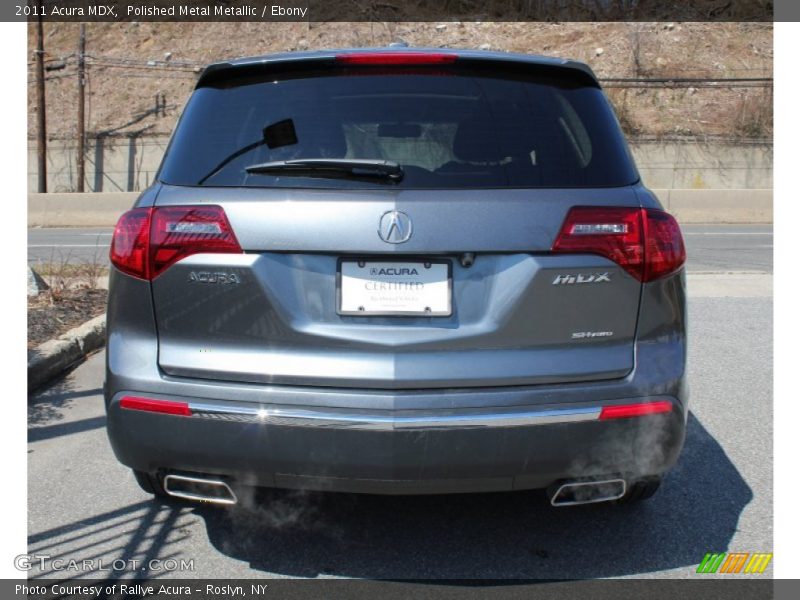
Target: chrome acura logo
<point x="394" y="227"/>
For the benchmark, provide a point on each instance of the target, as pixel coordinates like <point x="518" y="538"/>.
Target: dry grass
<point x="71" y="271"/>
<point x="754" y="115"/>
<point x="58" y="277"/>
<point x="116" y="96"/>
<point x="63" y="277"/>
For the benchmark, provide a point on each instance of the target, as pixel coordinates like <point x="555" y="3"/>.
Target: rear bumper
<point x="398" y="441"/>
<point x="397" y="451"/>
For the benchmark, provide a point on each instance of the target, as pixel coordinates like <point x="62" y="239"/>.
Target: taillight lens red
<point x="147" y="241"/>
<point x="615" y="233"/>
<point x="129" y="246"/>
<point x="663" y="250"/>
<point x="179" y="231"/>
<point x="647" y="243"/>
<point x="396" y="58"/>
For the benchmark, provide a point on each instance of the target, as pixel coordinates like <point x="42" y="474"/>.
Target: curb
<point x="53" y="357"/>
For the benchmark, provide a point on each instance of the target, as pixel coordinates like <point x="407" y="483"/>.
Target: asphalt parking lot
<point x="83" y="505"/>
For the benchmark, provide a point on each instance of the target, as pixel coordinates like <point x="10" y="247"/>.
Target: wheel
<point x="641" y="489"/>
<point x="150" y="483"/>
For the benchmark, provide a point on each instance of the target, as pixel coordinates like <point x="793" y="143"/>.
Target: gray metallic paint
<point x="510" y="325"/>
<point x="274" y="342"/>
<point x="149" y="442"/>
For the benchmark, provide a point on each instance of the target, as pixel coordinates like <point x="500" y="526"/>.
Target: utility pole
<point x="41" y="121"/>
<point x="81" y="107"/>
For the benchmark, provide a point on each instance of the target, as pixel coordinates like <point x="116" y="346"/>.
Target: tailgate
<point x="517" y="315"/>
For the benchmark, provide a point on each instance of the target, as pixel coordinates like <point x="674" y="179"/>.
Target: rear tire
<point x="150" y="483"/>
<point x="640" y="489"/>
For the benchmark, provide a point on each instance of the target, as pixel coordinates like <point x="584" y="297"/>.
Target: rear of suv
<point x="397" y="271"/>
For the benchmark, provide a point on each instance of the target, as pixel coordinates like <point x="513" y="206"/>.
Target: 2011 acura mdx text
<point x="397" y="271"/>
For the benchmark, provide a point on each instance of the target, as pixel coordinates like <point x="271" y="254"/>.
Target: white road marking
<point x="729" y="285"/>
<point x="727" y="233"/>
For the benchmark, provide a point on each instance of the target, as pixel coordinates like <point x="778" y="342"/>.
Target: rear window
<point x="447" y="129"/>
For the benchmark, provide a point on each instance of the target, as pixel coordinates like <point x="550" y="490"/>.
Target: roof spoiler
<point x="220" y="71"/>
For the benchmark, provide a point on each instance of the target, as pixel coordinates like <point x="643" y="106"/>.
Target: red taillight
<point x="148" y="240"/>
<point x="635" y="410"/>
<point x="664" y="250"/>
<point x="396" y="58"/>
<point x="179" y="231"/>
<point x="615" y="233"/>
<point x="167" y="407"/>
<point x="647" y="243"/>
<point x="129" y="246"/>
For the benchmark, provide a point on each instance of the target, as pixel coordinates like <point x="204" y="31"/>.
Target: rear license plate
<point x="411" y="288"/>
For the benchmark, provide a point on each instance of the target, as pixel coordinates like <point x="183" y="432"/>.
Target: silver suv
<point x="397" y="271"/>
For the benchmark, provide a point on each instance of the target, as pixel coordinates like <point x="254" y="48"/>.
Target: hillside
<point x="140" y="74"/>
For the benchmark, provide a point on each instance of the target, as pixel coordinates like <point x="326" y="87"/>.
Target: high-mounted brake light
<point x="147" y="241"/>
<point x="647" y="243"/>
<point x="167" y="407"/>
<point x="635" y="410"/>
<point x="396" y="58"/>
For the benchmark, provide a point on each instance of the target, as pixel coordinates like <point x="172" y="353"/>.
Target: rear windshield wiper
<point x="230" y="158"/>
<point x="332" y="167"/>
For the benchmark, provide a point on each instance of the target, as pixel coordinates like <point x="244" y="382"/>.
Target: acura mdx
<point x="397" y="271"/>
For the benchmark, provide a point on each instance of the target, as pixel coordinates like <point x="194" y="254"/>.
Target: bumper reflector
<point x="635" y="410"/>
<point x="167" y="407"/>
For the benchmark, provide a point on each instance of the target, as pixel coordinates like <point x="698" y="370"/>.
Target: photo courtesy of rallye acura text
<point x="397" y="271"/>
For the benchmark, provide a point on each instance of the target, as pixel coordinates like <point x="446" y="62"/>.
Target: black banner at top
<point x="400" y="10"/>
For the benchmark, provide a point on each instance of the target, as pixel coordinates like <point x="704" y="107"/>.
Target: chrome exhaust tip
<point x="589" y="491"/>
<point x="200" y="489"/>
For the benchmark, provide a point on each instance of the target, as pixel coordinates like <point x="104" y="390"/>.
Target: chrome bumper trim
<point x="345" y="420"/>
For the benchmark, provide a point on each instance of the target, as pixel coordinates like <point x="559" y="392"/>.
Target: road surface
<point x="83" y="505"/>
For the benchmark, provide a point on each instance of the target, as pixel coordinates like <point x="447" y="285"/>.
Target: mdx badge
<point x="582" y="278"/>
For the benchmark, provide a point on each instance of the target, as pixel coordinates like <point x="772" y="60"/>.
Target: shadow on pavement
<point x="49" y="411"/>
<point x="46" y="432"/>
<point x="507" y="535"/>
<point x="47" y="404"/>
<point x="117" y="544"/>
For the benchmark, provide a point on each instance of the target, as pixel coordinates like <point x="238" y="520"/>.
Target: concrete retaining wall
<point x="718" y="206"/>
<point x="78" y="210"/>
<point x="698" y="165"/>
<point x="689" y="206"/>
